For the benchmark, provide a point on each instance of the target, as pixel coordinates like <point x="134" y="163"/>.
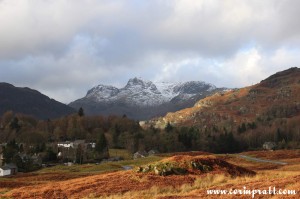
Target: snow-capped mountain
<point x="141" y="99"/>
<point x="145" y="93"/>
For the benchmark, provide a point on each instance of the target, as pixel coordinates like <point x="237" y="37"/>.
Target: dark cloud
<point x="64" y="47"/>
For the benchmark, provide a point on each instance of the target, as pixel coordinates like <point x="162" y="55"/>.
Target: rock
<point x="201" y="167"/>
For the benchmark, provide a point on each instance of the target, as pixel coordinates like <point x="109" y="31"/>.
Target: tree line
<point x="124" y="133"/>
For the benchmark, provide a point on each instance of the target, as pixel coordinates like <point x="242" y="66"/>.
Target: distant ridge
<point x="30" y="102"/>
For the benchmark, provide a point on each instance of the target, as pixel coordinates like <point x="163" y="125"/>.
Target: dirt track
<point x="262" y="160"/>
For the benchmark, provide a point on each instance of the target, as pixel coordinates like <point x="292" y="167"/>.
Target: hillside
<point x="277" y="97"/>
<point x="269" y="106"/>
<point x="30" y="102"/>
<point x="141" y="99"/>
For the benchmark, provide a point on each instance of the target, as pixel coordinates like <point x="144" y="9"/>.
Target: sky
<point x="65" y="47"/>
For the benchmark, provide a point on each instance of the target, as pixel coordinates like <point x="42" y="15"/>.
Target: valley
<point x="230" y="139"/>
<point x="149" y="99"/>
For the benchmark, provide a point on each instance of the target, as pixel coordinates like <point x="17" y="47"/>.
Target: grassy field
<point x="280" y="176"/>
<point x="120" y="153"/>
<point x="99" y="181"/>
<point x="99" y="168"/>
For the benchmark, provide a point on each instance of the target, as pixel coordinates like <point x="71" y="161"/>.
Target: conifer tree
<point x="101" y="145"/>
<point x="80" y="112"/>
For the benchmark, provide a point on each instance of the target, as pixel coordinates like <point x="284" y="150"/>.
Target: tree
<point x="79" y="154"/>
<point x="50" y="155"/>
<point x="14" y="124"/>
<point x="10" y="151"/>
<point x="21" y="149"/>
<point x="168" y="127"/>
<point x="80" y="112"/>
<point x="101" y="145"/>
<point x="186" y="137"/>
<point x="25" y="164"/>
<point x="252" y="125"/>
<point x="226" y="143"/>
<point x="19" y="162"/>
<point x="242" y="128"/>
<point x="7" y="117"/>
<point x="279" y="136"/>
<point x="116" y="131"/>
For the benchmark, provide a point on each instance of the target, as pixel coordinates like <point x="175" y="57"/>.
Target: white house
<point x="66" y="145"/>
<point x="8" y="169"/>
<point x="69" y="144"/>
<point x="4" y="171"/>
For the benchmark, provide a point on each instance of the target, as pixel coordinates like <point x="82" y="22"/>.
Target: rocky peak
<point x="137" y="82"/>
<point x="193" y="87"/>
<point x="102" y="92"/>
<point x="140" y="84"/>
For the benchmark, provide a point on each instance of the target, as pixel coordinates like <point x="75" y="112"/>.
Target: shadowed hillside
<point x="30" y="102"/>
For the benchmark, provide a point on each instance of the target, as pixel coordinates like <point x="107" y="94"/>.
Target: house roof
<point x="79" y="142"/>
<point x="153" y="151"/>
<point x="144" y="153"/>
<point x="9" y="166"/>
<point x="5" y="168"/>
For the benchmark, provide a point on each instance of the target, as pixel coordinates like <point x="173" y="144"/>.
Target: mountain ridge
<point x="140" y="99"/>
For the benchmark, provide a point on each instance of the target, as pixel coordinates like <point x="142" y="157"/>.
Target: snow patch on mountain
<point x="146" y="93"/>
<point x="102" y="92"/>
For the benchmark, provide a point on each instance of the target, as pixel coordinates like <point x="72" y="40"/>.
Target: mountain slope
<point x="30" y="102"/>
<point x="141" y="99"/>
<point x="277" y="97"/>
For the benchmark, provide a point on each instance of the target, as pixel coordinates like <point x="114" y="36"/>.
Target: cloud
<point x="246" y="68"/>
<point x="63" y="47"/>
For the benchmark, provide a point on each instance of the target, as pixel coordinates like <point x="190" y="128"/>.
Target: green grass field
<point x="100" y="168"/>
<point x="126" y="155"/>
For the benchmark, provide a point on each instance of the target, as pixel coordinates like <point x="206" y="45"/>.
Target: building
<point x="70" y="151"/>
<point x="140" y="154"/>
<point x="269" y="145"/>
<point x="8" y="169"/>
<point x="4" y="171"/>
<point x="66" y="144"/>
<point x="73" y="144"/>
<point x="153" y="152"/>
<point x="67" y="151"/>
